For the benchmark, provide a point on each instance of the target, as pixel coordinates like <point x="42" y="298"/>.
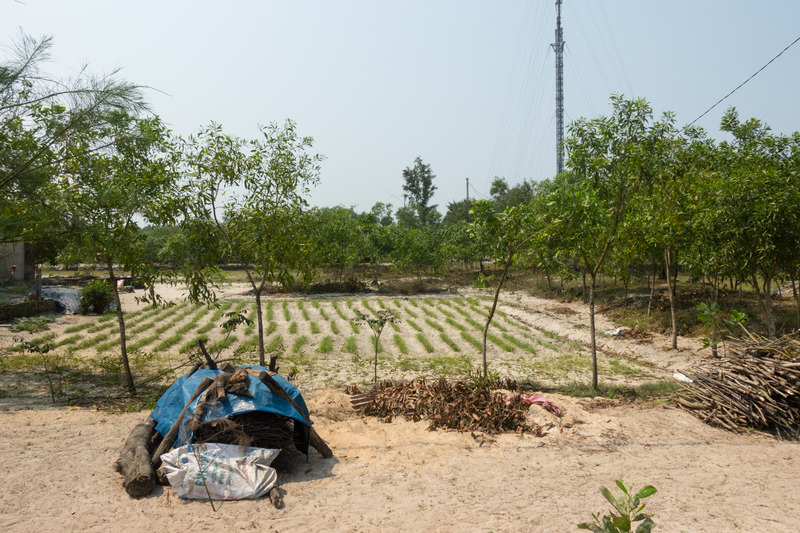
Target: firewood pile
<point x="756" y="385"/>
<point x="447" y="404"/>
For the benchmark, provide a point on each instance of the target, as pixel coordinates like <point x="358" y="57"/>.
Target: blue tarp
<point x="169" y="407"/>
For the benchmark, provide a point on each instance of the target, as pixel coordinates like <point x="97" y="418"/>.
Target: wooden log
<point x="212" y="365"/>
<point x="276" y="497"/>
<point x="172" y="434"/>
<point x="320" y="445"/>
<point x="134" y="461"/>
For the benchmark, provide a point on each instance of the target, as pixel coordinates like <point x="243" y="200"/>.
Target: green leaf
<point x="607" y="495"/>
<point x="645" y="491"/>
<point x="622" y="522"/>
<point x="646" y="526"/>
<point x="621" y="486"/>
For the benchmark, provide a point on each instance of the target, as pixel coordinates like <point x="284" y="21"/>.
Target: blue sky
<point x="466" y="85"/>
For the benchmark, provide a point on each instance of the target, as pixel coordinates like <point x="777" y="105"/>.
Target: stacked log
<point x="756" y="385"/>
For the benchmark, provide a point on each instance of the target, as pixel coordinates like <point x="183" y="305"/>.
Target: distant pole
<point x="467" y="189"/>
<point x="558" y="47"/>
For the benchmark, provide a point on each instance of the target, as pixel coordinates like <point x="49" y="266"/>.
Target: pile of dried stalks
<point x="755" y="385"/>
<point x="447" y="404"/>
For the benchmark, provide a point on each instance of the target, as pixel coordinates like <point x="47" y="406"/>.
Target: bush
<point x="96" y="297"/>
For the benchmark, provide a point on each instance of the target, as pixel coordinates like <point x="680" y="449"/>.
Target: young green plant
<point x="376" y="323"/>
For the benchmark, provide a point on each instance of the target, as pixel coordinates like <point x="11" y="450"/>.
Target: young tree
<point x="418" y="184"/>
<point x="509" y="232"/>
<point x="101" y="194"/>
<point x="263" y="227"/>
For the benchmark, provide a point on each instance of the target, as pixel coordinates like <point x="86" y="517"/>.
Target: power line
<point x="742" y="84"/>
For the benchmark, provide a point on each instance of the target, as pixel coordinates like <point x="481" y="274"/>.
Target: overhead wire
<point x="756" y="73"/>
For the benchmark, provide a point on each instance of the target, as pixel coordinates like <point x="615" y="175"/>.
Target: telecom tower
<point x="558" y="47"/>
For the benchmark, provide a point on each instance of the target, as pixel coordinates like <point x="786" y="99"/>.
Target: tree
<point x="339" y="241"/>
<point x="509" y="232"/>
<point x="263" y="228"/>
<point x="101" y="194"/>
<point x="38" y="113"/>
<point x="418" y="184"/>
<point x="606" y="164"/>
<point x="759" y="189"/>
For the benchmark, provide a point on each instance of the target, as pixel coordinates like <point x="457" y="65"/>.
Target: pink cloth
<point x="538" y="399"/>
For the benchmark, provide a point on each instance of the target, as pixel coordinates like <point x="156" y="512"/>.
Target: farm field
<point x="322" y="346"/>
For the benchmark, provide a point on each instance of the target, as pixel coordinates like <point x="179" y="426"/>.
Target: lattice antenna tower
<point x="558" y="47"/>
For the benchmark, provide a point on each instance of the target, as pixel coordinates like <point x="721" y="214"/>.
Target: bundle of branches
<point x="452" y="405"/>
<point x="755" y="385"/>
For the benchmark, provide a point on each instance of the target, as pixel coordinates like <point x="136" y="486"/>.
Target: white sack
<point x="220" y="471"/>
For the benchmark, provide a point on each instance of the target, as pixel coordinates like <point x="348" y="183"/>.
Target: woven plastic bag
<point x="220" y="471"/>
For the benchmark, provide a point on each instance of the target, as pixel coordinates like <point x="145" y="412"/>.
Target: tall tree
<point x="418" y="185"/>
<point x="606" y="164"/>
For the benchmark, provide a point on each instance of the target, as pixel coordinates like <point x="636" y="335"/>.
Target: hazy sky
<point x="466" y="85"/>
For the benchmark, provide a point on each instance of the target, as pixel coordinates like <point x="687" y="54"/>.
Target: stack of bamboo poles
<point x="756" y="385"/>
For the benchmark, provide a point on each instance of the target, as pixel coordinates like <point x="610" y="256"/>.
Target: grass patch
<point x="500" y="342"/>
<point x="450" y="342"/>
<point x="411" y="313"/>
<point x="270" y="311"/>
<point x="354" y="327"/>
<point x="168" y="343"/>
<point x="519" y="344"/>
<point x="400" y="343"/>
<point x="338" y="311"/>
<point x="303" y="310"/>
<point x="286" y="315"/>
<point x="334" y="327"/>
<point x="457" y="325"/>
<point x="299" y="342"/>
<point x="350" y="345"/>
<point x="274" y="344"/>
<point x="192" y="344"/>
<point x="293" y="328"/>
<point x="315" y="328"/>
<point x="414" y="325"/>
<point x="423" y="340"/>
<point x="67" y="341"/>
<point x="475" y="343"/>
<point x="222" y="344"/>
<point x="326" y="345"/>
<point x="434" y="325"/>
<point x="78" y="327"/>
<point x="323" y="314"/>
<point x="271" y="327"/>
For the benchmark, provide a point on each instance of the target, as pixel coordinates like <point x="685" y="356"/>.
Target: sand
<point x="56" y="466"/>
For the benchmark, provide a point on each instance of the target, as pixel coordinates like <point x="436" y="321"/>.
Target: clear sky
<point x="466" y="85"/>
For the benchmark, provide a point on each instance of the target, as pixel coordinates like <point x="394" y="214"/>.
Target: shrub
<point x="96" y="297"/>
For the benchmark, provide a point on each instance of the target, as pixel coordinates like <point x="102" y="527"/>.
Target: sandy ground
<point x="56" y="472"/>
<point x="56" y="465"/>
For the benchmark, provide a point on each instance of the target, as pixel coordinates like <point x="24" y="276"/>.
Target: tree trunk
<point x="123" y="347"/>
<point x="671" y="291"/>
<point x="652" y="288"/>
<point x="764" y="295"/>
<point x="584" y="294"/>
<point x="134" y="461"/>
<point x="796" y="295"/>
<point x="491" y="312"/>
<point x="260" y="322"/>
<point x="592" y="330"/>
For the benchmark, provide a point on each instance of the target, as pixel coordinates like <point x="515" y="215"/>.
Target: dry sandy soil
<point x="56" y="467"/>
